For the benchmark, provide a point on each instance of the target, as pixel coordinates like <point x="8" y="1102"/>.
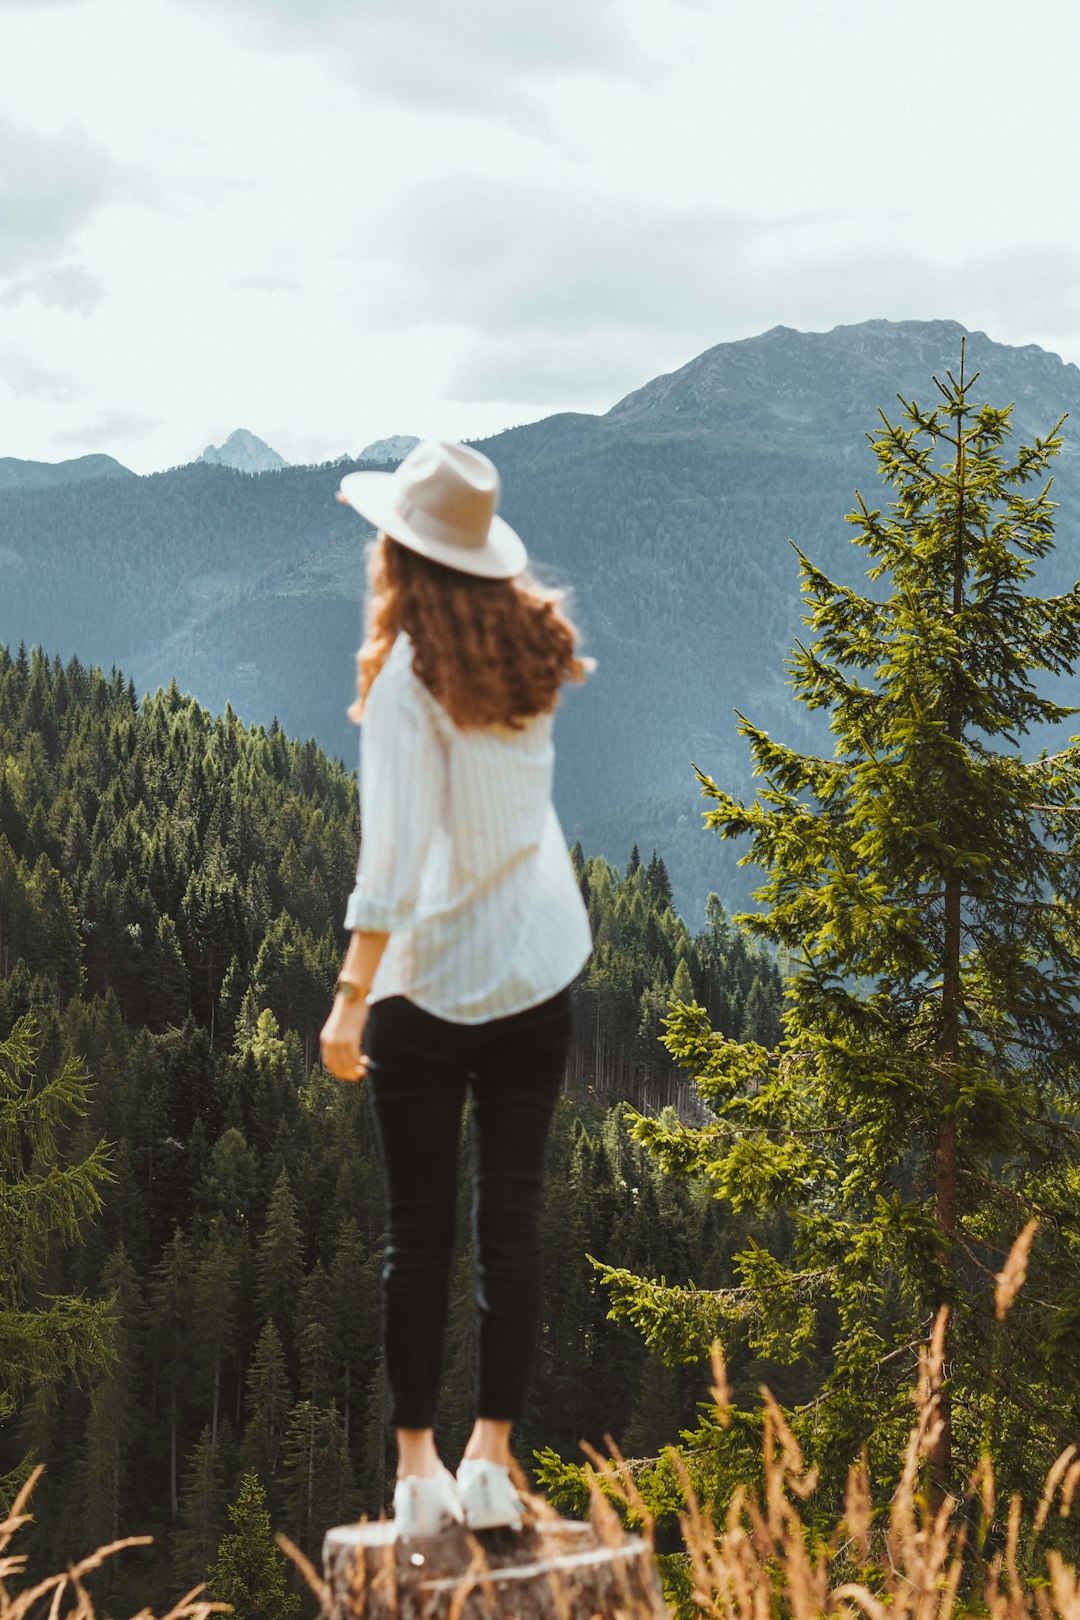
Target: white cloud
<point x="477" y="56"/>
<point x="509" y="257"/>
<point x="103" y="431"/>
<point x="27" y="378"/>
<point x="71" y="288"/>
<point x="50" y="186"/>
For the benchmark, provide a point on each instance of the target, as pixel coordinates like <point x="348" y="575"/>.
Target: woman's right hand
<point x="340" y="1037"/>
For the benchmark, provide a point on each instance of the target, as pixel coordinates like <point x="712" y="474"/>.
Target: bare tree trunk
<point x="174" y="1495"/>
<point x="310" y="1476"/>
<point x="945" y="1162"/>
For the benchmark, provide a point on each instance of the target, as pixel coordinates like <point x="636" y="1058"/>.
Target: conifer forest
<point x="798" y="1132"/>
<point x="193" y="1220"/>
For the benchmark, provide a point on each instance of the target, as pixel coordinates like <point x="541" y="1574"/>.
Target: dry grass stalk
<point x="614" y="1471"/>
<point x="1053" y="1480"/>
<point x="1010" y="1278"/>
<point x="477" y="1574"/>
<point x="859" y="1506"/>
<point x="1072" y="1479"/>
<point x="307" y="1569"/>
<point x="68" y="1598"/>
<point x="721" y="1389"/>
<point x="983" y="1480"/>
<point x="1064" y="1585"/>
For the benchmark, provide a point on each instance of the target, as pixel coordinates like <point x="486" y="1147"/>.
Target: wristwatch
<point x="350" y="990"/>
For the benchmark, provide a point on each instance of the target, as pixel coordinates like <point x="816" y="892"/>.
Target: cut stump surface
<point x="553" y="1569"/>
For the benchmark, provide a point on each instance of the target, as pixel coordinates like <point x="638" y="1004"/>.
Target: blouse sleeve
<point x="402" y="784"/>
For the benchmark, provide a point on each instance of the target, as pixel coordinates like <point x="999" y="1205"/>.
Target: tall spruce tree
<point x="319" y="1486"/>
<point x="203" y="1511"/>
<point x="269" y="1401"/>
<point x="923" y="883"/>
<point x="48" y="1191"/>
<point x="279" y="1268"/>
<point x="216" y="1292"/>
<point x="248" y="1572"/>
<point x="170" y="1313"/>
<point x="112" y="1424"/>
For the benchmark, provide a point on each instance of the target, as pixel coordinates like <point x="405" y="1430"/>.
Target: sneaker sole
<point x="491" y="1522"/>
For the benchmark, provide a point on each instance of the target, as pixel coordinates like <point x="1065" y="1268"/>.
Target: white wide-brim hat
<point x="440" y="501"/>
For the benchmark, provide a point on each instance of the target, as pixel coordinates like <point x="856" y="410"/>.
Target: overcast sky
<point x="332" y="220"/>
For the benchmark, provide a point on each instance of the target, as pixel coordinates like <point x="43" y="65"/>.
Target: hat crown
<point x="440" y="501"/>
<point x="449" y="490"/>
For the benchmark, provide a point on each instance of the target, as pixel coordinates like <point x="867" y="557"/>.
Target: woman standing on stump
<point x="467" y="929"/>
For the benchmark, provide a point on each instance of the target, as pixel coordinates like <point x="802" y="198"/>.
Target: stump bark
<point x="552" y="1569"/>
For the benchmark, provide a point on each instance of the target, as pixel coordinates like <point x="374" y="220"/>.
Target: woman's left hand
<point x="340" y="1037"/>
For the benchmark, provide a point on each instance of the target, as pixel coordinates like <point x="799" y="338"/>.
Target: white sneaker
<point x="426" y="1507"/>
<point x="487" y="1495"/>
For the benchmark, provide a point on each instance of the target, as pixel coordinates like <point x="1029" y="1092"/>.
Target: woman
<point x="468" y="927"/>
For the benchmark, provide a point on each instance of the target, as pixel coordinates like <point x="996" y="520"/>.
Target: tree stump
<point x="552" y="1569"/>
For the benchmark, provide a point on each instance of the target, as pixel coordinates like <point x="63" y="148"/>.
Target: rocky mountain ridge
<point x="16" y="474"/>
<point x="832" y="379"/>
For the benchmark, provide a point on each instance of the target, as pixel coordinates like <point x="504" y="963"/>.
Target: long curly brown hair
<point x="492" y="651"/>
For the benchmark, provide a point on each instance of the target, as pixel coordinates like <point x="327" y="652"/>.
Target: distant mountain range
<point x="669" y="517"/>
<point x="246" y="453"/>
<point x="242" y="451"/>
<point x="41" y="474"/>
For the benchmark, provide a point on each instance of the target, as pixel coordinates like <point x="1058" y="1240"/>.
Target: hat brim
<point x="502" y="555"/>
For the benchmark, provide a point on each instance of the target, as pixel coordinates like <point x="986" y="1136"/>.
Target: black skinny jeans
<point x="420" y="1068"/>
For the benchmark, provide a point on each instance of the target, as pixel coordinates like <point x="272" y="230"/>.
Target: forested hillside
<point x="670" y="517"/>
<point x="171" y="888"/>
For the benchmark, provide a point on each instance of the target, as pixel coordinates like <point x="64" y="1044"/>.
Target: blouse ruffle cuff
<point x="374" y="916"/>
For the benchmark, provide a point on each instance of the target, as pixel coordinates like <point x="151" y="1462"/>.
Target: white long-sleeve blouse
<point x="462" y="858"/>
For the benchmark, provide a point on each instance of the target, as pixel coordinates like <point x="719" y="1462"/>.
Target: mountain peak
<point x="244" y="452"/>
<point x="395" y="448"/>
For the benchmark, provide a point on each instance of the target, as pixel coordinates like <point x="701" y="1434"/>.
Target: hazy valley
<point x="669" y="517"/>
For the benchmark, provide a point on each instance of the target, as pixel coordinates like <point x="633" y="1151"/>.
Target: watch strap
<point x="350" y="989"/>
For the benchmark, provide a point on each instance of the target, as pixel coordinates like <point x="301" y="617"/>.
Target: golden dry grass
<point x="760" y="1563"/>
